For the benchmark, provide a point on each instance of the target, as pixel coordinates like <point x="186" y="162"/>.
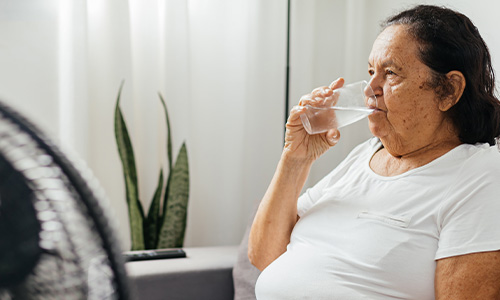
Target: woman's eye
<point x="371" y="72"/>
<point x="389" y="72"/>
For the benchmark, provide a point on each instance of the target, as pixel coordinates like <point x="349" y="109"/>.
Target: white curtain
<point x="220" y="65"/>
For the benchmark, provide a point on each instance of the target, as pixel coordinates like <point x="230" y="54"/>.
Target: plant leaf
<point x="152" y="222"/>
<point x="170" y="160"/>
<point x="174" y="220"/>
<point x="135" y="211"/>
<point x="169" y="136"/>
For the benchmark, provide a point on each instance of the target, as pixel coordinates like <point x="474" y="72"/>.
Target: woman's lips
<point x="374" y="108"/>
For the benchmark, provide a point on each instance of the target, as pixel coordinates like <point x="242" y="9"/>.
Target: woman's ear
<point x="457" y="81"/>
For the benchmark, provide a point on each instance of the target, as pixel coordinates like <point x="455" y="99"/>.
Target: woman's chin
<point x="375" y="129"/>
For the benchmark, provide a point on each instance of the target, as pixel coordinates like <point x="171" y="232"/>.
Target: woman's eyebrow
<point x="388" y="63"/>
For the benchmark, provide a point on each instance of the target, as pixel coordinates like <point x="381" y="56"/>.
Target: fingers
<point x="333" y="137"/>
<point x="322" y="96"/>
<point x="295" y="114"/>
<point x="337" y="84"/>
<point x="321" y="92"/>
<point x="331" y="101"/>
<point x="306" y="100"/>
<point x="316" y="98"/>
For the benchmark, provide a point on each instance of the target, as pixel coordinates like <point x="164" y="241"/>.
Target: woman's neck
<point x="391" y="161"/>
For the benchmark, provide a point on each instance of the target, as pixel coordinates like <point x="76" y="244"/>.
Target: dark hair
<point x="450" y="41"/>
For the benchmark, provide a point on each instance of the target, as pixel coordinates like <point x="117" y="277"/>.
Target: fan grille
<point x="78" y="256"/>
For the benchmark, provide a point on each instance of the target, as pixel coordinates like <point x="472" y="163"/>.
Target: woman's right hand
<point x="298" y="143"/>
<point x="277" y="213"/>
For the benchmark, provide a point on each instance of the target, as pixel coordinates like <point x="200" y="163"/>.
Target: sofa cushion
<point x="205" y="273"/>
<point x="244" y="273"/>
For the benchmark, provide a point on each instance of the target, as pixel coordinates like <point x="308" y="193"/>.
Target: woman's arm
<point x="470" y="276"/>
<point x="277" y="213"/>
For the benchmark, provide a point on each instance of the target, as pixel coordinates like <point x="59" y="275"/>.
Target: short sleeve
<point x="312" y="195"/>
<point x="469" y="220"/>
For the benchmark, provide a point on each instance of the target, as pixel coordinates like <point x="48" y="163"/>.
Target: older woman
<point x="413" y="213"/>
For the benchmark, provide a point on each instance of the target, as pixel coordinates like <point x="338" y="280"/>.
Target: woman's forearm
<point x="277" y="213"/>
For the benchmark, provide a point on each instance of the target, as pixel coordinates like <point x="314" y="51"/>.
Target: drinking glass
<point x="347" y="105"/>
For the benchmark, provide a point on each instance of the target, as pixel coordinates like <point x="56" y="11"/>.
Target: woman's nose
<point x="376" y="85"/>
<point x="370" y="97"/>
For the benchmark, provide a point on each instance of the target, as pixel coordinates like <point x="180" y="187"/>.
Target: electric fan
<point x="56" y="240"/>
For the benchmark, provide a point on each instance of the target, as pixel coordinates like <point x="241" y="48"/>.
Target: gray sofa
<point x="218" y="273"/>
<point x="206" y="273"/>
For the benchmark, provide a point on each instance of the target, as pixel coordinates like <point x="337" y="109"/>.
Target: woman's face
<point x="407" y="117"/>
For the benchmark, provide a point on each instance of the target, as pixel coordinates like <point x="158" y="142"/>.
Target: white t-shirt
<point x="366" y="236"/>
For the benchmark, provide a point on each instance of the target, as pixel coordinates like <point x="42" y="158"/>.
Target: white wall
<point x="220" y="65"/>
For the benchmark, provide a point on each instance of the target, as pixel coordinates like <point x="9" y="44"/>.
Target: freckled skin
<point x="410" y="123"/>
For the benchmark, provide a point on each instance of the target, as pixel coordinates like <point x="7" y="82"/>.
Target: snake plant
<point x="165" y="223"/>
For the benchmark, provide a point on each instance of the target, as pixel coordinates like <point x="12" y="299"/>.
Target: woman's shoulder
<point x="481" y="153"/>
<point x="480" y="160"/>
